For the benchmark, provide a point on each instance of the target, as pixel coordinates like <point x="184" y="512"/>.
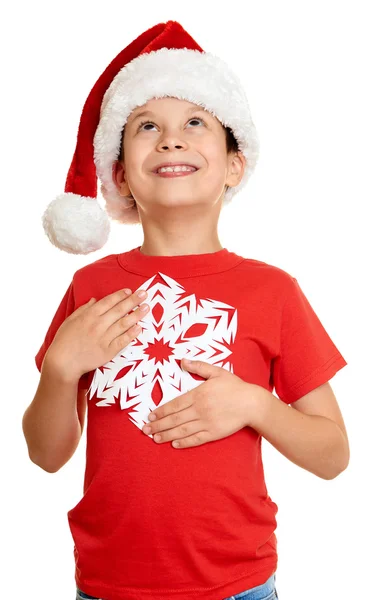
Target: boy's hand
<point x="219" y="407"/>
<point x="95" y="332"/>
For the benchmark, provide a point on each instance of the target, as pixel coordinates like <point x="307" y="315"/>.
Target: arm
<point x="51" y="424"/>
<point x="312" y="441"/>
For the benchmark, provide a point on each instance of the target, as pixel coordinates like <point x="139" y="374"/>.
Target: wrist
<point x="259" y="403"/>
<point x="51" y="364"/>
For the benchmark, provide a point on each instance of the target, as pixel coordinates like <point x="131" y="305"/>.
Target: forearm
<point x="312" y="442"/>
<point x="50" y="424"/>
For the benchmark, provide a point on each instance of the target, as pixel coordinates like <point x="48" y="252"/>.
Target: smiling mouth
<point x="170" y="174"/>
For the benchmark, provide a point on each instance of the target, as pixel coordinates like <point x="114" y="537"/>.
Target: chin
<point x="176" y="199"/>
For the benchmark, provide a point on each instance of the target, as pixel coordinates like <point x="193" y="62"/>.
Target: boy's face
<point x="176" y="131"/>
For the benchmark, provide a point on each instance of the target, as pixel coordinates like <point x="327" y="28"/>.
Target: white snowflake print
<point x="147" y="372"/>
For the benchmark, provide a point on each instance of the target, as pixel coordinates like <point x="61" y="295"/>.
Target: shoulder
<point x="94" y="268"/>
<point x="261" y="273"/>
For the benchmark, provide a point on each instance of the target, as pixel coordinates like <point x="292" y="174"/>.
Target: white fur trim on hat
<point x="198" y="77"/>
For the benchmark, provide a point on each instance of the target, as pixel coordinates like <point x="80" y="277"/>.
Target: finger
<point x="186" y="429"/>
<point x="89" y="303"/>
<point x="198" y="439"/>
<point x="180" y="403"/>
<point x="124" y="308"/>
<point x="126" y="322"/>
<point x="118" y="311"/>
<point x="81" y="308"/>
<point x="171" y="422"/>
<point x="124" y="298"/>
<point x="122" y="341"/>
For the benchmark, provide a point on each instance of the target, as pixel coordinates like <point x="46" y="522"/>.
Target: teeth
<point x="175" y="169"/>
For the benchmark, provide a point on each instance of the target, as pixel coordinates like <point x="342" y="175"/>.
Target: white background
<point x="309" y="70"/>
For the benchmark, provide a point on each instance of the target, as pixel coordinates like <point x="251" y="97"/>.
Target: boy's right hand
<point x="94" y="333"/>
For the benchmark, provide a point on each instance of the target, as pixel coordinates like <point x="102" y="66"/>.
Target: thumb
<point x="85" y="305"/>
<point x="201" y="368"/>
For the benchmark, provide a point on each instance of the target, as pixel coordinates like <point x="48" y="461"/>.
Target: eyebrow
<point x="149" y="112"/>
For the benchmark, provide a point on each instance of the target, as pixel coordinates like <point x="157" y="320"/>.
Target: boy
<point x="159" y="520"/>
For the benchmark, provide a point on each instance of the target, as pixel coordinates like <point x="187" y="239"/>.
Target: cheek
<point x="134" y="159"/>
<point x="136" y="150"/>
<point x="217" y="164"/>
<point x="213" y="153"/>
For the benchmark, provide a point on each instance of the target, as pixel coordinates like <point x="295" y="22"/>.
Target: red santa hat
<point x="163" y="61"/>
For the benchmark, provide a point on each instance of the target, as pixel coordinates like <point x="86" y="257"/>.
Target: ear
<point x="120" y="178"/>
<point x="236" y="168"/>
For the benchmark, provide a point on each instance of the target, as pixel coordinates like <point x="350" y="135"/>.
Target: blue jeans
<point x="265" y="591"/>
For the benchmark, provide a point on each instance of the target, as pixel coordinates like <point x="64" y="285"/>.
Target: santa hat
<point x="163" y="61"/>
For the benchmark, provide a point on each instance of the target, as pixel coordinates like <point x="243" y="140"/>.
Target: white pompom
<point x="76" y="224"/>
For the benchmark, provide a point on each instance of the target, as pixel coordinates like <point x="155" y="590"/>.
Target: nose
<point x="172" y="142"/>
<point x="167" y="146"/>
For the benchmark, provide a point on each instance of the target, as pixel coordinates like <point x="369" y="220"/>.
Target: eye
<point x="151" y="123"/>
<point x="197" y="119"/>
<point x="145" y="123"/>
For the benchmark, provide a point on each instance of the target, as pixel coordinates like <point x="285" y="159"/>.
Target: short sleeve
<point x="65" y="308"/>
<point x="308" y="357"/>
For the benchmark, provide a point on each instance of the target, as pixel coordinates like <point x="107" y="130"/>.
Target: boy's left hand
<point x="220" y="406"/>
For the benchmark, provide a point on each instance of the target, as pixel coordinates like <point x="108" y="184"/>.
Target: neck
<point x="171" y="239"/>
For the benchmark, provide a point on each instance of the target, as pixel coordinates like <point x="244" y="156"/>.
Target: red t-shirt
<point x="160" y="523"/>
